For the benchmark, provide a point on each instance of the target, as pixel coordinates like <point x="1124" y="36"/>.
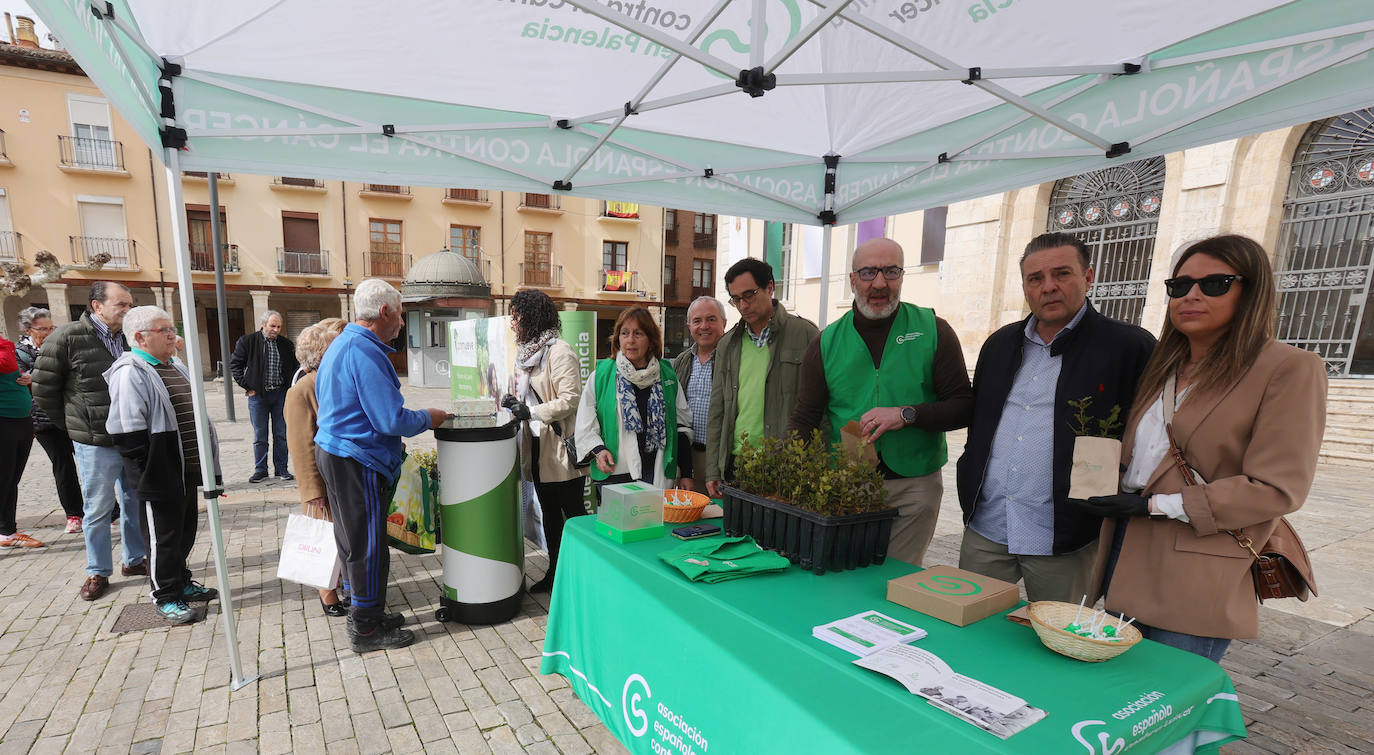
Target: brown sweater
<point x="953" y="410"/>
<point x="301" y="410"/>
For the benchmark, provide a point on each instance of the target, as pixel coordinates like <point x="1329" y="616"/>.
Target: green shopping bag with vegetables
<point x="412" y="520"/>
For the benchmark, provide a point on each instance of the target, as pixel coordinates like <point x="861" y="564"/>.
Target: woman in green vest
<point x="633" y="418"/>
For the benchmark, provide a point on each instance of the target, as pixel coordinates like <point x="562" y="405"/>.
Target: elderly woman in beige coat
<point x="1248" y="414"/>
<point x="548" y="384"/>
<point x="301" y="411"/>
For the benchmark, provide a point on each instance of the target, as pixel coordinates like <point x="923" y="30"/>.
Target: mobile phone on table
<point x="695" y="531"/>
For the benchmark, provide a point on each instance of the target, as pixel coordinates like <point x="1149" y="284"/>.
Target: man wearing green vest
<point x="754" y="384"/>
<point x="897" y="371"/>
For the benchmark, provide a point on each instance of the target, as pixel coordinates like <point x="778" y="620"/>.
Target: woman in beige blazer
<point x="548" y="384"/>
<point x="301" y="412"/>
<point x="1248" y="414"/>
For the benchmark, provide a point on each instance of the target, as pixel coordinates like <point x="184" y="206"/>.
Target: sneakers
<point x="73" y="525"/>
<point x="195" y="592"/>
<point x="94" y="587"/>
<point x="139" y="569"/>
<point x="393" y="621"/>
<point x="258" y="477"/>
<point x="176" y="612"/>
<point x="20" y="540"/>
<point x="380" y="638"/>
<point x="286" y="476"/>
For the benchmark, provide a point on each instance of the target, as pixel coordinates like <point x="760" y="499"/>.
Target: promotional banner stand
<point x="481" y="538"/>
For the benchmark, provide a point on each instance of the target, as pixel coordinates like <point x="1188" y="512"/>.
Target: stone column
<point x="346" y="307"/>
<point x="259" y="308"/>
<point x="570" y="306"/>
<point x="57" y="303"/>
<point x="166" y="300"/>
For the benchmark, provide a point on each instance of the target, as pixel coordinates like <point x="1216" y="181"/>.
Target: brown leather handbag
<point x="1281" y="568"/>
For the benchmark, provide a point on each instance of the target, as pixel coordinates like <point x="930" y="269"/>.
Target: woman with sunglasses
<point x="1248" y="414"/>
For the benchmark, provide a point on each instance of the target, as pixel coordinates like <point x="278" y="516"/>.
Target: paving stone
<point x="471" y="741"/>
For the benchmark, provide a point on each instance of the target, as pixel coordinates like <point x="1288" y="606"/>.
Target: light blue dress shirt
<point x="1016" y="504"/>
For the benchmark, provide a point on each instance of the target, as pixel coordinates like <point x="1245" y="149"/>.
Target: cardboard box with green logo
<point x="630" y="511"/>
<point x="954" y="595"/>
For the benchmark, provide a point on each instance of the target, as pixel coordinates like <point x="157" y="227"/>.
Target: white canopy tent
<point x="807" y="111"/>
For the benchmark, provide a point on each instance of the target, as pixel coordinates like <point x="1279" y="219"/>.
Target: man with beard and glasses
<point x="898" y="371"/>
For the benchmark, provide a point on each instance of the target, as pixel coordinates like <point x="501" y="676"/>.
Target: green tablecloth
<point x="678" y="667"/>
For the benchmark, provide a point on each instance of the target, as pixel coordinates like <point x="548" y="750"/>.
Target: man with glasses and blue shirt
<point x="897" y="372"/>
<point x="757" y="369"/>
<point x="1014" y="475"/>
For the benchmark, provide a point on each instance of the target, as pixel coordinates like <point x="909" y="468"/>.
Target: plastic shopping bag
<point x="309" y="554"/>
<point x="411" y="518"/>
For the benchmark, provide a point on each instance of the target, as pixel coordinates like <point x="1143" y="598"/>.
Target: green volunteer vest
<point x="903" y="378"/>
<point x="608" y="415"/>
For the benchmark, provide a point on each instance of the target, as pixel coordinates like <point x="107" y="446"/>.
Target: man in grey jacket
<point x="694" y="368"/>
<point x="69" y="386"/>
<point x="152" y="423"/>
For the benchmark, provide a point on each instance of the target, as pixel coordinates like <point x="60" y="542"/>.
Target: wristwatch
<point x="909" y="415"/>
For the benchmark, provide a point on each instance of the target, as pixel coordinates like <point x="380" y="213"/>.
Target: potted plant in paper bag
<point x="1096" y="451"/>
<point x="821" y="507"/>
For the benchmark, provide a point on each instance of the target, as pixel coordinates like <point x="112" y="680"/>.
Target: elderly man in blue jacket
<point x="362" y="419"/>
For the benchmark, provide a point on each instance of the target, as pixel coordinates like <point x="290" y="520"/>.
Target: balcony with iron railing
<point x="11" y="246"/>
<point x="302" y="261"/>
<point x="84" y="154"/>
<point x="203" y="257"/>
<point x="540" y="203"/>
<point x="381" y="264"/>
<point x="619" y="211"/>
<point x="201" y="175"/>
<point x="385" y="191"/>
<point x="541" y="275"/>
<point x="4" y="158"/>
<point x="123" y="252"/>
<point x="703" y="240"/>
<point x="471" y="196"/>
<point x="296" y="183"/>
<point x="619" y="281"/>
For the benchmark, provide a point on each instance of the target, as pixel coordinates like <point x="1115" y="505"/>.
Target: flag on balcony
<point x="622" y="210"/>
<point x="617" y="280"/>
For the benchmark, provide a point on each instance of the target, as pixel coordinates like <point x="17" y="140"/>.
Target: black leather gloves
<point x="1119" y="506"/>
<point x="517" y="408"/>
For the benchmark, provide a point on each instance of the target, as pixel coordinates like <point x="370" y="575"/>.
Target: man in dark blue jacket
<point x="1014" y="474"/>
<point x="361" y="421"/>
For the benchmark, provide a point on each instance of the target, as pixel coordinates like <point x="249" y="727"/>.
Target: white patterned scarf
<point x="654" y="427"/>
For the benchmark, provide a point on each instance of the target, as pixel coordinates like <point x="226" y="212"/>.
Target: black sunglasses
<point x="1211" y="285"/>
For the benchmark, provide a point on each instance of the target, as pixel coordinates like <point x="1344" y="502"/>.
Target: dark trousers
<point x="58" y="446"/>
<point x="170" y="528"/>
<point x="268" y="408"/>
<point x="557" y="500"/>
<point x="16" y="440"/>
<point x="358" y="502"/>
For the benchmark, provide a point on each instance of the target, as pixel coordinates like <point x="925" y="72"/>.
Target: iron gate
<point x="1116" y="212"/>
<point x="1326" y="245"/>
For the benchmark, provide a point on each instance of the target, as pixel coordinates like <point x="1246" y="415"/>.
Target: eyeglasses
<point x="1211" y="285"/>
<point x="162" y="331"/>
<point x="36" y="329"/>
<point x="891" y="272"/>
<point x="744" y="296"/>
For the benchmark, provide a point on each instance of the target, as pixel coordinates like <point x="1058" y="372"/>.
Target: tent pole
<point x="176" y="205"/>
<point x="222" y="314"/>
<point x="821" y="317"/>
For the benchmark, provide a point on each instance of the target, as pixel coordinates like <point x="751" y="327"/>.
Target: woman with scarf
<point x="633" y="417"/>
<point x="36" y="323"/>
<point x="548" y="379"/>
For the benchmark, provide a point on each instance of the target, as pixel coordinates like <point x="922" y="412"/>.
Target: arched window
<point x="1326" y="245"/>
<point x="1116" y="211"/>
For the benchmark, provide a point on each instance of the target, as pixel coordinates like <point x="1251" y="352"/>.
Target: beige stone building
<point x="75" y="181"/>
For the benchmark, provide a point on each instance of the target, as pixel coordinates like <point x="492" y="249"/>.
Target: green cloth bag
<point x="719" y="560"/>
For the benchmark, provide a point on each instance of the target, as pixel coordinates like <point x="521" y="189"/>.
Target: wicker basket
<point x="1048" y="617"/>
<point x="682" y="506"/>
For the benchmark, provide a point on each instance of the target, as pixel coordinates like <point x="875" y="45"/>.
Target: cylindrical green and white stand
<point x="479" y="507"/>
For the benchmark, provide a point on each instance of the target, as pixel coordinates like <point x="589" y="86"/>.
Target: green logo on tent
<point x="951" y="586"/>
<point x="730" y="38"/>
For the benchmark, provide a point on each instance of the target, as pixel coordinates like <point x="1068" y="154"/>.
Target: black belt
<point x="699" y="447"/>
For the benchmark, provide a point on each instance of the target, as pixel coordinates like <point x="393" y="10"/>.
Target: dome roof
<point x="445" y="266"/>
<point x="445" y="273"/>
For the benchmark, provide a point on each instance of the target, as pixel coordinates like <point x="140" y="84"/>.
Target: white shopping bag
<point x="309" y="554"/>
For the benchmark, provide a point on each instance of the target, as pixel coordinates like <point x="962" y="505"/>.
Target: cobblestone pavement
<point x="67" y="684"/>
